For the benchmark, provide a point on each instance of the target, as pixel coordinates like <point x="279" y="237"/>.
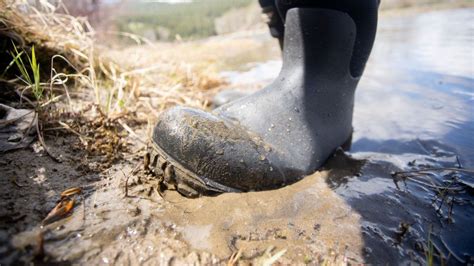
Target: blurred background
<point x="167" y="20"/>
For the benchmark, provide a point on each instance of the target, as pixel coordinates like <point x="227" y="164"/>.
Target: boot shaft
<point x="318" y="44"/>
<point x="363" y="12"/>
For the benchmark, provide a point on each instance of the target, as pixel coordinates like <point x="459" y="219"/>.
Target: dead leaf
<point x="62" y="210"/>
<point x="71" y="191"/>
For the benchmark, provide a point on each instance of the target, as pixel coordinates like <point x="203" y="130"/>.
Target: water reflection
<point x="414" y="109"/>
<point x="436" y="41"/>
<point x="394" y="104"/>
<point x="418" y="83"/>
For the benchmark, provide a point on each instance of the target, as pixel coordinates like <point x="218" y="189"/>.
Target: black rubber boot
<point x="277" y="135"/>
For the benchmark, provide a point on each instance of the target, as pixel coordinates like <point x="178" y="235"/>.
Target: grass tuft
<point x="33" y="66"/>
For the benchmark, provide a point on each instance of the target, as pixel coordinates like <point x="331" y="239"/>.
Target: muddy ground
<point x="112" y="222"/>
<point x="352" y="211"/>
<point x="107" y="226"/>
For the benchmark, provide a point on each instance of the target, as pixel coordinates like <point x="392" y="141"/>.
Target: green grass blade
<point x="37" y="90"/>
<point x="34" y="83"/>
<point x="11" y="62"/>
<point x="20" y="65"/>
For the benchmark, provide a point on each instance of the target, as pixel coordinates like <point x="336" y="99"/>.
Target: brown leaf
<point x="71" y="191"/>
<point x="62" y="210"/>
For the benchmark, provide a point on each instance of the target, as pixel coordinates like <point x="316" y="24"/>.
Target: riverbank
<point x="353" y="211"/>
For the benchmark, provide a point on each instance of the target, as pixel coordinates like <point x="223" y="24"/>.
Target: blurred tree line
<point x="164" y="21"/>
<point x="153" y="19"/>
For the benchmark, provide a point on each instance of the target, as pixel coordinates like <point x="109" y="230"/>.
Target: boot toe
<point x="218" y="153"/>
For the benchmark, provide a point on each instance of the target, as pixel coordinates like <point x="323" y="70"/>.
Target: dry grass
<point x="99" y="98"/>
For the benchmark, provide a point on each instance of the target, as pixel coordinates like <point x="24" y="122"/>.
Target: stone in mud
<point x="15" y="127"/>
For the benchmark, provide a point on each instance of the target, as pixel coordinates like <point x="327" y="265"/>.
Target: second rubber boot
<point x="277" y="135"/>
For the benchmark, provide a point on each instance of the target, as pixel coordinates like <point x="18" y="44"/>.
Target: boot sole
<point x="176" y="176"/>
<point x="186" y="182"/>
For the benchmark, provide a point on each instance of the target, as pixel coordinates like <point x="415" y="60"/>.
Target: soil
<point x="106" y="226"/>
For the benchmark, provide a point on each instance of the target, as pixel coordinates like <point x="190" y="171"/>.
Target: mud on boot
<point x="279" y="134"/>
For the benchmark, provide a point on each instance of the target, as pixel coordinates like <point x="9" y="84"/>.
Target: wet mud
<point x="307" y="219"/>
<point x="104" y="227"/>
<point x="412" y="113"/>
<point x="123" y="218"/>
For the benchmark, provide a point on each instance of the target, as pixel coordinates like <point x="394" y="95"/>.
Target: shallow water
<point x="414" y="109"/>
